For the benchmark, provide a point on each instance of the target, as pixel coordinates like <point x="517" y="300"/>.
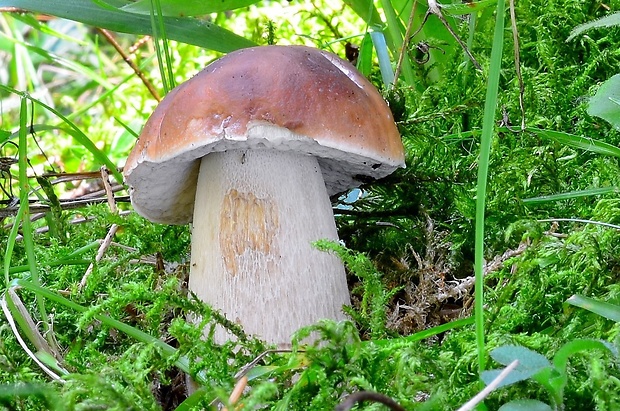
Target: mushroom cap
<point x="275" y="97"/>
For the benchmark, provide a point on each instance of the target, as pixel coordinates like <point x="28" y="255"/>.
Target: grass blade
<point x="607" y="310"/>
<point x="571" y="194"/>
<point x="24" y="190"/>
<point x="395" y="34"/>
<point x="186" y="30"/>
<point x="488" y="125"/>
<point x="607" y="21"/>
<point x="181" y="8"/>
<point x="20" y="315"/>
<point x="11" y="244"/>
<point x="430" y="332"/>
<point x="158" y="28"/>
<point x="181" y="362"/>
<point x="17" y="314"/>
<point x="385" y="64"/>
<point x="22" y="343"/>
<point x="364" y="61"/>
<point x="572" y="140"/>
<point x="366" y="10"/>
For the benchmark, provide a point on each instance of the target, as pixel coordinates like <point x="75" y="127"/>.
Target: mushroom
<point x="250" y="151"/>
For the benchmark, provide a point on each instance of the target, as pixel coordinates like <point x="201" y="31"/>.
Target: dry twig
<point x="405" y="46"/>
<point x="435" y="8"/>
<point x="497" y="263"/>
<point x="105" y="244"/>
<point x="130" y="62"/>
<point x="237" y="391"/>
<point x="360" y="396"/>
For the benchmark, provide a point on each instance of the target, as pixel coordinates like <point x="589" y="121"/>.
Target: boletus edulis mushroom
<point x="249" y="151"/>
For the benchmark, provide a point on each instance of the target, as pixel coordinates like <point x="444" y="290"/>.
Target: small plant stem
<point x="434" y="8"/>
<point x="405" y="46"/>
<point x="579" y="220"/>
<point x="105" y="244"/>
<point x="488" y="126"/>
<point x="473" y="18"/>
<point x="515" y="37"/>
<point x="65" y="205"/>
<point x="247" y="367"/>
<point x="105" y="178"/>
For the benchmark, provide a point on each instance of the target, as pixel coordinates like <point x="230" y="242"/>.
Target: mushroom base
<point x="256" y="215"/>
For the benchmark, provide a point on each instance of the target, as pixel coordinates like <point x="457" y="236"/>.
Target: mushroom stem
<point x="256" y="215"/>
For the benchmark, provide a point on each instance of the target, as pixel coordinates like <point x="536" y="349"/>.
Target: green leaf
<point x="572" y="140"/>
<point x="4" y="135"/>
<point x="193" y="401"/>
<point x="51" y="362"/>
<point x="364" y="60"/>
<point x="606" y="102"/>
<point x="607" y="21"/>
<point x="571" y="194"/>
<point x="525" y="405"/>
<point x="186" y="30"/>
<point x="528" y="359"/>
<point x="515" y="376"/>
<point x="607" y="310"/>
<point x="560" y="360"/>
<point x="385" y="64"/>
<point x="530" y="363"/>
<point x="366" y="10"/>
<point x="184" y="8"/>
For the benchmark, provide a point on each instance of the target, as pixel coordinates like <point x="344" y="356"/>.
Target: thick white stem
<point x="256" y="215"/>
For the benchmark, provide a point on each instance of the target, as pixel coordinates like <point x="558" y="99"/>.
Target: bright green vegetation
<point x="419" y="333"/>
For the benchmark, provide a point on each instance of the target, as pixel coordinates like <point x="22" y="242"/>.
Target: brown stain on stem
<point x="248" y="225"/>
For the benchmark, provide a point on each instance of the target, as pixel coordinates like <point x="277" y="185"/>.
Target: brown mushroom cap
<point x="278" y="97"/>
